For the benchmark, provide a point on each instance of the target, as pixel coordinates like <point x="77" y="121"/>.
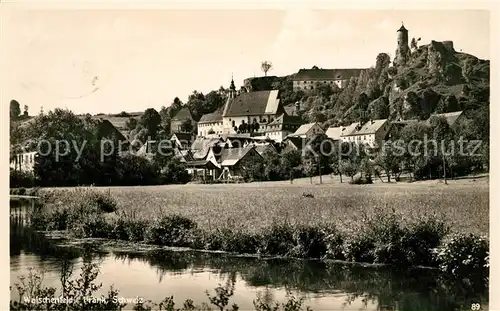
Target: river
<point x="157" y="274"/>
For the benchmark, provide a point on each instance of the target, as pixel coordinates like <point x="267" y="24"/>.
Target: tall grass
<point x="383" y="236"/>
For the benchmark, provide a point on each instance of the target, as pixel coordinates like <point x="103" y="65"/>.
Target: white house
<point x="308" y="130"/>
<point x="371" y="133"/>
<point x="24" y="162"/>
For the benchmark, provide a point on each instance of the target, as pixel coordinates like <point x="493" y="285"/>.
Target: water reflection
<point x="189" y="274"/>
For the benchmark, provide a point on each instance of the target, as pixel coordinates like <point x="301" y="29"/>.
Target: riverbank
<point x="362" y="226"/>
<point x="325" y="285"/>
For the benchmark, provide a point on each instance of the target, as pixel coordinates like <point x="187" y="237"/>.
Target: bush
<point x="310" y="242"/>
<point x="277" y="240"/>
<point x="171" y="230"/>
<point x="361" y="181"/>
<point x="465" y="256"/>
<point x="104" y="203"/>
<point x="421" y="239"/>
<point x="359" y="248"/>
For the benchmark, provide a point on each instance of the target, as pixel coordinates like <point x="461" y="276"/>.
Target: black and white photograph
<point x="263" y="157"/>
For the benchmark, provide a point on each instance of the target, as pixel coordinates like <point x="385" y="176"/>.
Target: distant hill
<point x="436" y="78"/>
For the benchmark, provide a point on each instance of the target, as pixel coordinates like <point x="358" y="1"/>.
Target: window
<point x="234" y="123"/>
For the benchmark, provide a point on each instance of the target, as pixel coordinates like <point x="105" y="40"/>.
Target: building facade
<point x="307" y="79"/>
<point x="24" y="162"/>
<point x="179" y="120"/>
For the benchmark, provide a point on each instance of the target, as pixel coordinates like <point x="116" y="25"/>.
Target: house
<point x="182" y="140"/>
<point x="334" y="132"/>
<point x="207" y="166"/>
<point x="235" y="161"/>
<point x="201" y="146"/>
<point x="371" y="133"/>
<point x="306" y="79"/>
<point x="211" y="124"/>
<point x="24" y="162"/>
<point x="308" y="130"/>
<point x="282" y="126"/>
<point x="178" y="121"/>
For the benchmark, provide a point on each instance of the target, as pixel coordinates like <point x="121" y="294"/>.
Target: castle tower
<point x="402" y="50"/>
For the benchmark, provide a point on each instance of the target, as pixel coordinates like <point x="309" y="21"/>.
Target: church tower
<point x="402" y="50"/>
<point x="232" y="89"/>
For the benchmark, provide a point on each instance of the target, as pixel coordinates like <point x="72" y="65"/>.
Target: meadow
<point x="419" y="224"/>
<point x="462" y="204"/>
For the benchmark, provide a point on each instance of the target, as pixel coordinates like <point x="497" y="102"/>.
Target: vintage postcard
<point x="265" y="157"/>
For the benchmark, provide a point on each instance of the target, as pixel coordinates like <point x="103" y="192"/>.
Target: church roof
<point x="252" y="103"/>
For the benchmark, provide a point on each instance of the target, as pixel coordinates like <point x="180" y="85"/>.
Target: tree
<point x="415" y="159"/>
<point x="309" y="166"/>
<point x="349" y="168"/>
<point x="187" y="126"/>
<point x="151" y="121"/>
<point x="266" y="66"/>
<point x="197" y="104"/>
<point x="131" y="124"/>
<point x="383" y="61"/>
<point x="413" y="44"/>
<point x="25" y="113"/>
<point x="443" y="135"/>
<point x="214" y="101"/>
<point x="15" y="109"/>
<point x="290" y="160"/>
<point x="379" y="108"/>
<point x="387" y="161"/>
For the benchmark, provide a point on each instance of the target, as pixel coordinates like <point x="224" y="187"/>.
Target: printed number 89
<point x="475" y="306"/>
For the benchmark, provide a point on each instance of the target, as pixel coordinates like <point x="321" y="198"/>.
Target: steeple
<point x="232" y="87"/>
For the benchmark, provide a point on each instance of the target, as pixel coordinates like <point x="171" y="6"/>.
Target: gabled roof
<point x="231" y="157"/>
<point x="183" y="114"/>
<point x="303" y="129"/>
<point x="186" y="137"/>
<point x="296" y="141"/>
<point x="261" y="149"/>
<point x="326" y="74"/>
<point x="211" y="117"/>
<point x="201" y="146"/>
<point x="253" y="103"/>
<point x="201" y="164"/>
<point x="334" y="132"/>
<point x="370" y="127"/>
<point x="347" y="130"/>
<point x="183" y="155"/>
<point x="451" y="117"/>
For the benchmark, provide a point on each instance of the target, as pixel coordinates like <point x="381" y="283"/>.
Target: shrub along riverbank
<point x="385" y="237"/>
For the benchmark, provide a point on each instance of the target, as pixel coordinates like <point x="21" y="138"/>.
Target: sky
<point x="108" y="61"/>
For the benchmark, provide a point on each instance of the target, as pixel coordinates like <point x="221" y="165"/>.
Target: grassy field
<point x="464" y="204"/>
